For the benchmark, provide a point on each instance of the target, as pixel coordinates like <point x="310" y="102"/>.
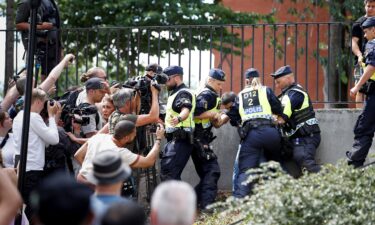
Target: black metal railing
<point x="319" y="53"/>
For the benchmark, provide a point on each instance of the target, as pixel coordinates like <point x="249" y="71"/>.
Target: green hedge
<point x="337" y="195"/>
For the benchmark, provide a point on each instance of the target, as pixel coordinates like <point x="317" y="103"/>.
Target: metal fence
<point x="319" y="53"/>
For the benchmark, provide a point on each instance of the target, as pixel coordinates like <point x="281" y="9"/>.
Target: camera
<point x="80" y="120"/>
<point x="78" y="115"/>
<point x="153" y="128"/>
<point x="142" y="85"/>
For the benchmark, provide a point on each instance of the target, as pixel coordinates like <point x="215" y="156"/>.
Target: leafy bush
<point x="337" y="195"/>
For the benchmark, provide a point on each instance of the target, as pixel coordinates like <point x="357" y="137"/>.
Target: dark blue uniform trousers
<point x="304" y="149"/>
<point x="258" y="142"/>
<point x="209" y="174"/>
<point x="363" y="133"/>
<point x="174" y="158"/>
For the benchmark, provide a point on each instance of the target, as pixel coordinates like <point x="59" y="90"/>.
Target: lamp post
<point x="34" y="4"/>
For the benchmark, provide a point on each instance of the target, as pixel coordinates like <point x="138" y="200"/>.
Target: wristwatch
<point x="179" y="119"/>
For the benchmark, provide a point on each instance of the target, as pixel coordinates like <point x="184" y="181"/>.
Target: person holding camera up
<point x="179" y="125"/>
<point x="48" y="46"/>
<point x="365" y="125"/>
<point x="127" y="103"/>
<point x="40" y="135"/>
<point x="95" y="90"/>
<point x="124" y="134"/>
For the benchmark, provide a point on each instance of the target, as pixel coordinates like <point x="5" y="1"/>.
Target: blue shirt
<point x="100" y="204"/>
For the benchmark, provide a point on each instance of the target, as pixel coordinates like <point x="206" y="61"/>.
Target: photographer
<point x="91" y="73"/>
<point x="124" y="133"/>
<point x="48" y="46"/>
<point x="125" y="102"/>
<point x="95" y="90"/>
<point x="40" y="135"/>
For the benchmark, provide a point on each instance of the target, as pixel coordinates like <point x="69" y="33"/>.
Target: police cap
<point x="282" y="71"/>
<point x="217" y="74"/>
<point x="369" y="22"/>
<point x="173" y="70"/>
<point x="252" y="72"/>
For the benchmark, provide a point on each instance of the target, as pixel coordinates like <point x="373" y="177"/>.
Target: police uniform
<point x="204" y="159"/>
<point x="179" y="145"/>
<point x="365" y="126"/>
<point x="260" y="140"/>
<point x="301" y="125"/>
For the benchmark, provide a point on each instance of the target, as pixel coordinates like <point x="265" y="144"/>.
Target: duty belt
<point x="179" y="134"/>
<point x="309" y="122"/>
<point x="169" y="130"/>
<point x="258" y="123"/>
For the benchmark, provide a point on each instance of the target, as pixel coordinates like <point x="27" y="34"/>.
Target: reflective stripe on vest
<point x="285" y="101"/>
<point x="253" y="104"/>
<point x="188" y="123"/>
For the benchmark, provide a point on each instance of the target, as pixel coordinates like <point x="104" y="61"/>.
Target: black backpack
<point x="69" y="98"/>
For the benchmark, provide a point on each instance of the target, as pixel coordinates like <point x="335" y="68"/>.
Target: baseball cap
<point x="94" y="83"/>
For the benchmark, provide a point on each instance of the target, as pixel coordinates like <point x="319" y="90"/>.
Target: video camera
<point x="78" y="115"/>
<point x="142" y="84"/>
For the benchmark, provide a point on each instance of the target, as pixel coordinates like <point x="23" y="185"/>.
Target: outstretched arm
<point x="54" y="75"/>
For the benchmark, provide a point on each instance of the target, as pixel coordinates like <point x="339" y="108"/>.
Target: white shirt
<point x="81" y="98"/>
<point x="102" y="142"/>
<point x="40" y="135"/>
<point x="8" y="151"/>
<point x="92" y="126"/>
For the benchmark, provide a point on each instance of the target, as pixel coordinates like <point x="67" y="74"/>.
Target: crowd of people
<point x="85" y="145"/>
<point x="90" y="132"/>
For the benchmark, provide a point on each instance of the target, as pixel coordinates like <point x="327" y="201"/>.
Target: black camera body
<point x="142" y="85"/>
<point x="78" y="115"/>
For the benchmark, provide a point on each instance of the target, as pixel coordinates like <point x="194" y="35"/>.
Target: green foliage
<point x="340" y="10"/>
<point x="151" y="13"/>
<point x="128" y="28"/>
<point x="337" y="195"/>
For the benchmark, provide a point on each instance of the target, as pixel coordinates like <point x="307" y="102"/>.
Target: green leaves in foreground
<point x="337" y="195"/>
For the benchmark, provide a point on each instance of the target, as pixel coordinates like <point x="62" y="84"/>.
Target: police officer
<point x="48" y="47"/>
<point x="300" y="124"/>
<point x="259" y="137"/>
<point x="204" y="159"/>
<point x="179" y="125"/>
<point x="365" y="125"/>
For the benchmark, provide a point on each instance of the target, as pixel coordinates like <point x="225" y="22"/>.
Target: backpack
<point x="69" y="98"/>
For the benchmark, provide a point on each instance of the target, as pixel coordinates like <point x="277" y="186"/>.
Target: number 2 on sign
<point x="250" y="97"/>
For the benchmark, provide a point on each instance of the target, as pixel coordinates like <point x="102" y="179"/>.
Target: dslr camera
<point x="142" y="85"/>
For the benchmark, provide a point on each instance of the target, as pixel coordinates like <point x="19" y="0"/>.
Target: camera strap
<point x="4" y="141"/>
